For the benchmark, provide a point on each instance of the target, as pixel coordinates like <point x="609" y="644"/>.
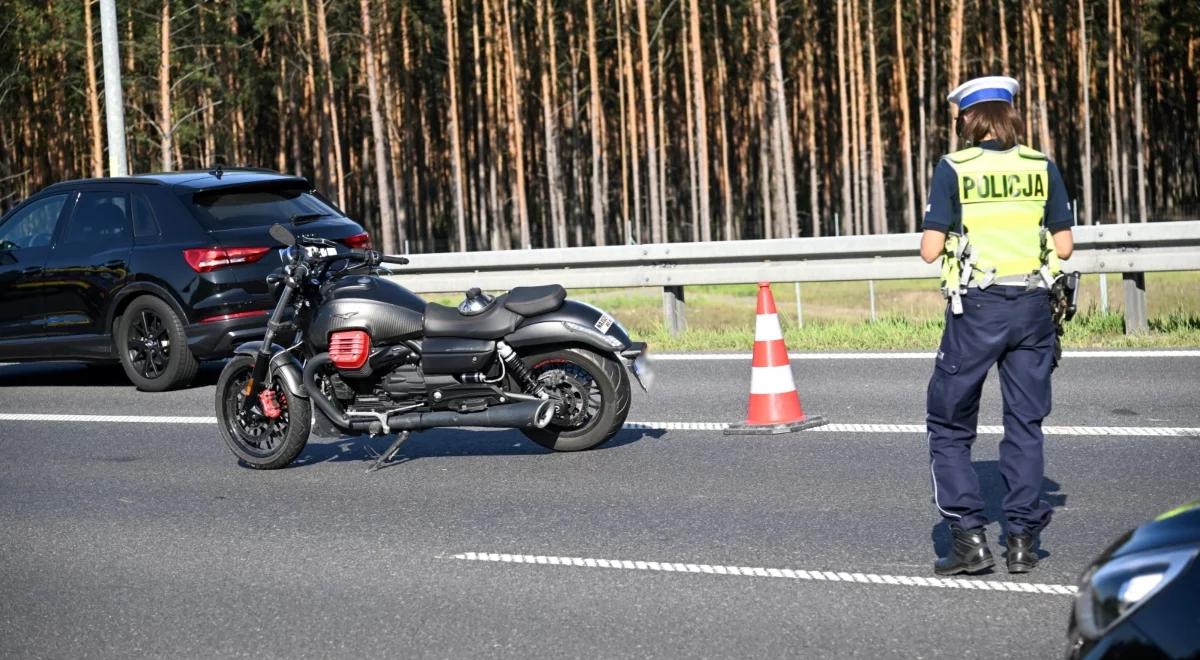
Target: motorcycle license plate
<point x="643" y="368"/>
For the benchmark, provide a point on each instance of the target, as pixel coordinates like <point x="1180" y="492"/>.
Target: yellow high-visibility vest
<point x="1002" y="195"/>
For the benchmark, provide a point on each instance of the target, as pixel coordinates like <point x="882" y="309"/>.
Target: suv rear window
<point x="254" y="208"/>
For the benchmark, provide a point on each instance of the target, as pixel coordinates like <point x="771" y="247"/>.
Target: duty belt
<point x="964" y="254"/>
<point x="1031" y="281"/>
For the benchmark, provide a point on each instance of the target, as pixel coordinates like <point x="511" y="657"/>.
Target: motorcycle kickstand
<point x="391" y="452"/>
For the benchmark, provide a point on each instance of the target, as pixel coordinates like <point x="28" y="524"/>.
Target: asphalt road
<point x="145" y="539"/>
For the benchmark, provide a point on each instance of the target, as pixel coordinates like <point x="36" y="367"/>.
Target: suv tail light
<point x="358" y="241"/>
<point x="203" y="260"/>
<point x="348" y="349"/>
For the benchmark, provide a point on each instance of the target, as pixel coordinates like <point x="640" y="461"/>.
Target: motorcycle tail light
<point x="348" y="349"/>
<point x="358" y="241"/>
<point x="204" y="260"/>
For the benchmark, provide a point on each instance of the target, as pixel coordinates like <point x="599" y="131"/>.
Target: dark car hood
<point x="1179" y="526"/>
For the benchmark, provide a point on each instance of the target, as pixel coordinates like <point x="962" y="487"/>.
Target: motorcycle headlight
<point x="1110" y="592"/>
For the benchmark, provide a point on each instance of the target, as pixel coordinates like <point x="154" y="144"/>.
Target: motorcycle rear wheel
<point x="260" y="442"/>
<point x="594" y="393"/>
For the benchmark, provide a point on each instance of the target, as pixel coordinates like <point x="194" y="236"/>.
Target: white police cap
<point x="988" y="88"/>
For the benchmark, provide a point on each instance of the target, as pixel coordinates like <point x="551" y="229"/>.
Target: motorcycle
<point x="367" y="356"/>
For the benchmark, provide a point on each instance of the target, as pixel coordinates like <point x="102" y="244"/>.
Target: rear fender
<point x="574" y="322"/>
<point x="284" y="366"/>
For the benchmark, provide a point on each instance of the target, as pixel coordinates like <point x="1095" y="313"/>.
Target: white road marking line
<point x="1155" y="431"/>
<point x="783" y="573"/>
<point x="1123" y="431"/>
<point x="122" y="419"/>
<point x="684" y="357"/>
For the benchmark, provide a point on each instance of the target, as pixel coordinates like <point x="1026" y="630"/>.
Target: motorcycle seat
<point x="493" y="323"/>
<point x="499" y="319"/>
<point x="534" y="300"/>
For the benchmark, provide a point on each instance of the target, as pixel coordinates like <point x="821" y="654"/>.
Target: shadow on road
<point x="444" y="442"/>
<point x="85" y="374"/>
<point x="991" y="486"/>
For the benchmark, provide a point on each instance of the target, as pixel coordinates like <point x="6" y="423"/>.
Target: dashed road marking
<point x="684" y="357"/>
<point x="784" y="573"/>
<point x="1124" y="431"/>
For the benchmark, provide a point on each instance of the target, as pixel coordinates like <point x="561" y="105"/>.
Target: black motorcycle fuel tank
<point x="384" y="309"/>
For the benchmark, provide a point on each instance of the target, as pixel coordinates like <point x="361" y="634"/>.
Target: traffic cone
<point x="774" y="402"/>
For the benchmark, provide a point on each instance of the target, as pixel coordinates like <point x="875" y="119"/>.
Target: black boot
<point x="1020" y="555"/>
<point x="969" y="553"/>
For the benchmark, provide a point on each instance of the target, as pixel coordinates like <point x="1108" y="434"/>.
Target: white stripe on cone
<point x="766" y="328"/>
<point x="772" y="380"/>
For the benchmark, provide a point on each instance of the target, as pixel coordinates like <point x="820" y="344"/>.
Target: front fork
<point x="262" y="359"/>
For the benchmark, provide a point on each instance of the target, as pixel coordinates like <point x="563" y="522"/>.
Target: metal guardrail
<point x="1131" y="249"/>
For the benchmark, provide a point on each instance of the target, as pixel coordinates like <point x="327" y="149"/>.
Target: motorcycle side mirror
<point x="281" y="234"/>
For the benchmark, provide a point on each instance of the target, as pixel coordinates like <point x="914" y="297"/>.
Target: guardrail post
<point x="674" y="310"/>
<point x="871" y="286"/>
<point x="1103" y="293"/>
<point x="1135" y="303"/>
<point x="799" y="308"/>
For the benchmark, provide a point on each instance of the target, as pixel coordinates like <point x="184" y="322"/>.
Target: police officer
<point x="999" y="218"/>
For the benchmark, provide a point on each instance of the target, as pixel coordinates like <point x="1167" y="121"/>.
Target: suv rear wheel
<point x="153" y="347"/>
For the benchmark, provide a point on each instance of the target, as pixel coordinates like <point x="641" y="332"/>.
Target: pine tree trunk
<point x="633" y="124"/>
<point x="393" y="116"/>
<point x="954" y="70"/>
<point x="810" y="133"/>
<point x="922" y="144"/>
<point x="516" y="135"/>
<point x="1035" y="20"/>
<point x="1085" y="117"/>
<point x="878" y="200"/>
<point x="727" y="232"/>
<point x="1138" y="124"/>
<point x="779" y="102"/>
<point x="482" y="215"/>
<point x="596" y="114"/>
<point x="701" y="111"/>
<point x="281" y="118"/>
<point x="661" y="104"/>
<point x="1114" y="160"/>
<point x="1003" y="20"/>
<point x="910" y="218"/>
<point x="860" y="98"/>
<point x="656" y="224"/>
<point x="460" y="222"/>
<point x="558" y="223"/>
<point x="689" y="120"/>
<point x="847" y="219"/>
<point x="93" y="93"/>
<point x="330" y="107"/>
<point x="383" y="193"/>
<point x="166" y="132"/>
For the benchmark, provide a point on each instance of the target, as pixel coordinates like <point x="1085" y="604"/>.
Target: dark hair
<point x="997" y="118"/>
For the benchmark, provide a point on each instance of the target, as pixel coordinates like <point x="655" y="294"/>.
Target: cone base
<point x="809" y="422"/>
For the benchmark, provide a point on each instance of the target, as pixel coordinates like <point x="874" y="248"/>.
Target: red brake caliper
<point x="270" y="406"/>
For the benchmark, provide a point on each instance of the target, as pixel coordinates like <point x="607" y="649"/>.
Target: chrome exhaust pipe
<point x="519" y="415"/>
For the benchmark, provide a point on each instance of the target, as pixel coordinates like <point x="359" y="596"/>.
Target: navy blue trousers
<point x="1011" y="328"/>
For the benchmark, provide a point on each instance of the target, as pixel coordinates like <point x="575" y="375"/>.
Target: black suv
<point x="157" y="271"/>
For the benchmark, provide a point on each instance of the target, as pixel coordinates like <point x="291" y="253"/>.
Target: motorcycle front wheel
<point x="259" y="441"/>
<point x="592" y="393"/>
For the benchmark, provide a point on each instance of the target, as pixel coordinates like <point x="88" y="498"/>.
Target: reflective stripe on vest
<point x="1003" y="199"/>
